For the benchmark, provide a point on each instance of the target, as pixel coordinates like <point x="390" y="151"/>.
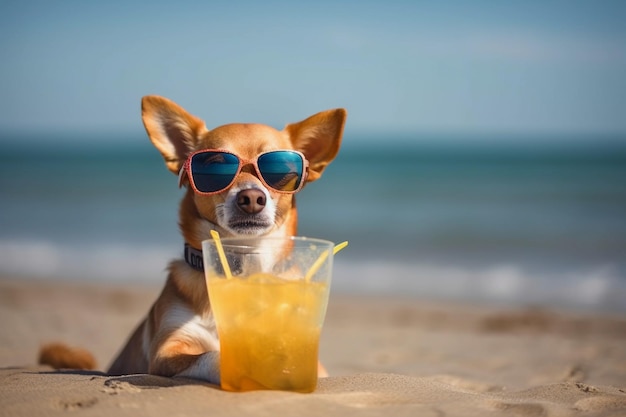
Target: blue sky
<point x="397" y="66"/>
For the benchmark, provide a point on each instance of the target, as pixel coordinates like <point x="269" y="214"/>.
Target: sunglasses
<point x="211" y="171"/>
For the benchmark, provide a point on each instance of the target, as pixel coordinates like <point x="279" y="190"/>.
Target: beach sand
<point x="386" y="356"/>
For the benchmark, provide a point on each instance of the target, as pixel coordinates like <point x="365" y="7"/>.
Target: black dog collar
<point x="193" y="257"/>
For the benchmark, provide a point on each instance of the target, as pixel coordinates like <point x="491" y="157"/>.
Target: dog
<point x="178" y="337"/>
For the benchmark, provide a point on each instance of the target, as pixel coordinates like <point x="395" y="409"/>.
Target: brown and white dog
<point x="178" y="337"/>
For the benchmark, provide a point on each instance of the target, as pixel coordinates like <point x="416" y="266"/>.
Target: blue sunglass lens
<point x="282" y="170"/>
<point x="213" y="171"/>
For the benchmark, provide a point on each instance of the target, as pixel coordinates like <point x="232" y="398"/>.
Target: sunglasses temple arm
<point x="181" y="176"/>
<point x="305" y="174"/>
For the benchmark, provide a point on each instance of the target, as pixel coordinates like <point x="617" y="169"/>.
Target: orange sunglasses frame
<point x="186" y="170"/>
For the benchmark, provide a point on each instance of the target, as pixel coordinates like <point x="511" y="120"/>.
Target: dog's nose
<point x="251" y="201"/>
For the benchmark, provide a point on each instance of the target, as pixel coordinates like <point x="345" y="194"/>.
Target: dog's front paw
<point x="206" y="367"/>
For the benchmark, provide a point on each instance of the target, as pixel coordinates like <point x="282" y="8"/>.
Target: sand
<point x="386" y="356"/>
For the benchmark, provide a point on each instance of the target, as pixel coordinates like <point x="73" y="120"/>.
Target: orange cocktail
<point x="269" y="332"/>
<point x="269" y="316"/>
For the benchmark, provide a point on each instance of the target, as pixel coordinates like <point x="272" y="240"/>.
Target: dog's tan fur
<point x="178" y="337"/>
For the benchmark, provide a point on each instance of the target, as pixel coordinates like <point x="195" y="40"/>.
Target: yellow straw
<point x="318" y="263"/>
<point x="339" y="247"/>
<point x="220" y="252"/>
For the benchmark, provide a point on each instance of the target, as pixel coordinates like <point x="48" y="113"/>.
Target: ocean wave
<point x="595" y="288"/>
<point x="107" y="262"/>
<point x="598" y="288"/>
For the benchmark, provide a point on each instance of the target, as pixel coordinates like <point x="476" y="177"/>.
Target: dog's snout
<point x="251" y="201"/>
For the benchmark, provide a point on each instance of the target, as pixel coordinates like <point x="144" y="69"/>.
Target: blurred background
<point x="484" y="157"/>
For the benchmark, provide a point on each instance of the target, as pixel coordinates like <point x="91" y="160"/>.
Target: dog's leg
<point x="172" y="362"/>
<point x="185" y="344"/>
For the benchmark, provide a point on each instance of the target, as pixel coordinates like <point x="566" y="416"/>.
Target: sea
<point x="519" y="221"/>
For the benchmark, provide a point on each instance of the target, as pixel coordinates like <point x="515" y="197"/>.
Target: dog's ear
<point x="172" y="130"/>
<point x="318" y="138"/>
